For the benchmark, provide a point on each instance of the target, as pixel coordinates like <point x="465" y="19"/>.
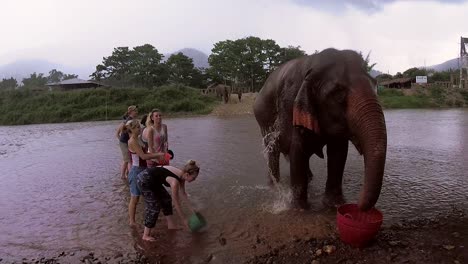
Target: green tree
<point x="69" y="76"/>
<point x="115" y="67"/>
<point x="138" y="66"/>
<point x="35" y="81"/>
<point x="181" y="69"/>
<point x="383" y="77"/>
<point x="146" y="67"/>
<point x="290" y="52"/>
<point x="367" y="65"/>
<point x="8" y="84"/>
<point x="55" y="76"/>
<point x="413" y="72"/>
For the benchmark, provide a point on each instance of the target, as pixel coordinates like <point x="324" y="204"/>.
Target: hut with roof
<point x="398" y="83"/>
<point x="74" y="84"/>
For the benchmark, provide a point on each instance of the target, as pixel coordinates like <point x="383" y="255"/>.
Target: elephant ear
<point x="304" y="108"/>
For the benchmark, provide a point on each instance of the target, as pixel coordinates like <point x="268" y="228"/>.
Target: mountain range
<point x="23" y="68"/>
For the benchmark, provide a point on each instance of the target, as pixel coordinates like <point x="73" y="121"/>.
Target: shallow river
<point x="60" y="188"/>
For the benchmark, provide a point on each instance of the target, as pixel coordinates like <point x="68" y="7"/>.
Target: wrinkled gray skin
<point x="323" y="99"/>
<point x="223" y="92"/>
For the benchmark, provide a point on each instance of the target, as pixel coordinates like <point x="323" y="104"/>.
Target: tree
<point x="383" y="77"/>
<point x="290" y="53"/>
<point x="181" y="69"/>
<point x="55" y="76"/>
<point x="8" y="84"/>
<point x="115" y="67"/>
<point x="140" y="65"/>
<point x="367" y="66"/>
<point x="248" y="60"/>
<point x="146" y="68"/>
<point x="413" y="72"/>
<point x="35" y="81"/>
<point x="69" y="76"/>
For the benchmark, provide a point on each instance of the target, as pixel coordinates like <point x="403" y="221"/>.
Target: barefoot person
<point x="156" y="135"/>
<point x="122" y="136"/>
<point x="152" y="181"/>
<point x="139" y="155"/>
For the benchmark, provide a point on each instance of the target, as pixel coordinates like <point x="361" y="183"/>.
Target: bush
<point x="25" y="107"/>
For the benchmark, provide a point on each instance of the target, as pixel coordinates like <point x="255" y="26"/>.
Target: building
<point x="74" y="84"/>
<point x="398" y="83"/>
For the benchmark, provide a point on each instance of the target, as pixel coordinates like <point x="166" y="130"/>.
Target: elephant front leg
<point x="299" y="168"/>
<point x="337" y="152"/>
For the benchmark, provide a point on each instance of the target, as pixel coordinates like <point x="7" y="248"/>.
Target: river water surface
<point x="60" y="188"/>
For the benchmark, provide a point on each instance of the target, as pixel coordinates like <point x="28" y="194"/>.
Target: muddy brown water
<point x="60" y="188"/>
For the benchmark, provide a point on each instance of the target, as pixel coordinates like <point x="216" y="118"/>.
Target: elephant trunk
<point x="369" y="135"/>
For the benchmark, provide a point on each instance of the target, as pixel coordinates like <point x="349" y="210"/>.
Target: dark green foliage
<point x="26" y="107"/>
<point x="8" y="84"/>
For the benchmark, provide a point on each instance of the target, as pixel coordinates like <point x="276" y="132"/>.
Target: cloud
<point x="369" y="6"/>
<point x="402" y="34"/>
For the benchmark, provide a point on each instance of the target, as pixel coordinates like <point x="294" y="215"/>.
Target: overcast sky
<point x="399" y="34"/>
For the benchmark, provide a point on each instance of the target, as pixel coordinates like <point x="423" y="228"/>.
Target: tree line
<point x="433" y="76"/>
<point x="244" y="62"/>
<point x="36" y="80"/>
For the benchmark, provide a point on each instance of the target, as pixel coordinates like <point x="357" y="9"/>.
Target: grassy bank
<point x="19" y="107"/>
<point x="433" y="97"/>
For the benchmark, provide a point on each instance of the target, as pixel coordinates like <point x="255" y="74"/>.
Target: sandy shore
<point x="234" y="107"/>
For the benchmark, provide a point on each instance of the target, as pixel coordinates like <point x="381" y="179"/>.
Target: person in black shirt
<point x="151" y="183"/>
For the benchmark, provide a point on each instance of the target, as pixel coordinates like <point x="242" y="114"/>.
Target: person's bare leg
<point x="171" y="223"/>
<point x="132" y="209"/>
<point x="124" y="170"/>
<point x="147" y="234"/>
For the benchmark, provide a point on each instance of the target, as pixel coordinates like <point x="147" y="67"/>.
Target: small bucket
<point x="196" y="222"/>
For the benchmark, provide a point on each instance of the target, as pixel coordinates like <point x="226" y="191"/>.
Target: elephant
<point x="317" y="100"/>
<point x="223" y="92"/>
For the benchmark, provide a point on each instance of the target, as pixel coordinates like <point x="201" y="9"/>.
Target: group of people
<point x="145" y="152"/>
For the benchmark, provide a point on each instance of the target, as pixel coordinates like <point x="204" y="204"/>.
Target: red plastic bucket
<point x="356" y="227"/>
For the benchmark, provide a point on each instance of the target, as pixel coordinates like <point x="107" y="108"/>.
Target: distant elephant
<point x="223" y="92"/>
<point x="323" y="99"/>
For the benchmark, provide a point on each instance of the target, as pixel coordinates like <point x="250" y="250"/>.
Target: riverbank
<point x="432" y="97"/>
<point x="22" y="107"/>
<point x="439" y="240"/>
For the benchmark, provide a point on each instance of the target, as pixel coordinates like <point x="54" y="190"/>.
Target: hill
<point x="24" y="68"/>
<point x="450" y="64"/>
<point x="200" y="59"/>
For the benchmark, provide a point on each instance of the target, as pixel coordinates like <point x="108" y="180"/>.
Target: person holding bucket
<point x="152" y="181"/>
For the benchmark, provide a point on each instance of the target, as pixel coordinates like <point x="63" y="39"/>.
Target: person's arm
<point x="166" y="144"/>
<point x="175" y="186"/>
<point x="185" y="196"/>
<point x="119" y="131"/>
<point x="134" y="147"/>
<point x="150" y="140"/>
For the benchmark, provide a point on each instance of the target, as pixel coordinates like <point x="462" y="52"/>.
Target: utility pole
<point x="460" y="62"/>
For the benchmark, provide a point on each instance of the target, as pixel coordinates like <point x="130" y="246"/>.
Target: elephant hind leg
<point x="272" y="152"/>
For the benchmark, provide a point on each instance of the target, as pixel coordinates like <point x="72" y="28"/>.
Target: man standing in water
<point x="132" y="112"/>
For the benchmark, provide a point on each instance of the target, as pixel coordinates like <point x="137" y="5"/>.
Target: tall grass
<point x="431" y="97"/>
<point x="27" y="107"/>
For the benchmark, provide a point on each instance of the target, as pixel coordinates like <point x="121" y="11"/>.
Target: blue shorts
<point x="132" y="180"/>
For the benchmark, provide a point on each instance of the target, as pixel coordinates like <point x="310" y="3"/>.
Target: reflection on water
<point x="60" y="188"/>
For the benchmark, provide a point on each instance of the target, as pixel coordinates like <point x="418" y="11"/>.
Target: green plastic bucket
<point x="196" y="222"/>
